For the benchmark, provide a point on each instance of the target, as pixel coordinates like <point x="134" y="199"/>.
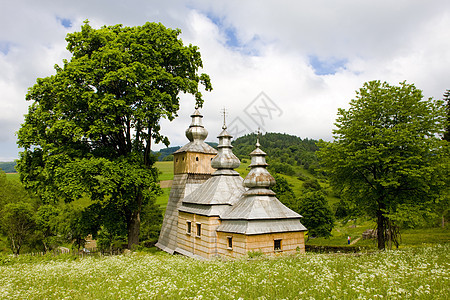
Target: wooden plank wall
<point x="261" y="242"/>
<point x="204" y="245"/>
<point x="190" y="162"/>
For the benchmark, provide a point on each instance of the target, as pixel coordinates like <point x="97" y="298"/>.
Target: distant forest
<point x="8" y="167"/>
<point x="165" y="154"/>
<point x="283" y="151"/>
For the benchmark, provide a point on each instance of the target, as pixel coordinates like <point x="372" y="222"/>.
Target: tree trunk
<point x="381" y="229"/>
<point x="134" y="224"/>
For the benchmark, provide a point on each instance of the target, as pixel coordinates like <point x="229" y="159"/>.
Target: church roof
<point x="258" y="211"/>
<point x="261" y="226"/>
<point x="222" y="189"/>
<point x="200" y="147"/>
<point x="225" y="186"/>
<point x="197" y="134"/>
<point x="263" y="207"/>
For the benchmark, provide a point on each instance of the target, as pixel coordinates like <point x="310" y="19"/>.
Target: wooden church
<point x="214" y="212"/>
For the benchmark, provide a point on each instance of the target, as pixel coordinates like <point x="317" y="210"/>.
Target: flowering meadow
<point x="414" y="273"/>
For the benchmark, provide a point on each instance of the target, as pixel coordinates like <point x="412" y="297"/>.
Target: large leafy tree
<point x="89" y="128"/>
<point x="387" y="155"/>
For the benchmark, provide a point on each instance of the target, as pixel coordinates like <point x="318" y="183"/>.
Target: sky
<point x="282" y="66"/>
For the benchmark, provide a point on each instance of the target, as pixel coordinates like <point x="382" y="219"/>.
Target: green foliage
<point x="281" y="168"/>
<point x="317" y="216"/>
<point x="312" y="184"/>
<point x="168" y="158"/>
<point x="8" y="166"/>
<point x="90" y="127"/>
<point x="165" y="154"/>
<point x="284" y="193"/>
<point x="47" y="223"/>
<point x="152" y="219"/>
<point x="281" y="148"/>
<point x="18" y="223"/>
<point x="109" y="241"/>
<point x="387" y="154"/>
<point x="12" y="191"/>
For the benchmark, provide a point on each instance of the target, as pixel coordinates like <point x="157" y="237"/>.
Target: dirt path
<point x="356" y="240"/>
<point x="165" y="184"/>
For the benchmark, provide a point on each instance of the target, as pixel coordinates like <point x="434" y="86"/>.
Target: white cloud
<point x="255" y="46"/>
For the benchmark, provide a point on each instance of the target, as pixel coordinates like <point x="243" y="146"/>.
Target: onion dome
<point x="259" y="179"/>
<point x="197" y="134"/>
<point x="225" y="158"/>
<point x="196" y="131"/>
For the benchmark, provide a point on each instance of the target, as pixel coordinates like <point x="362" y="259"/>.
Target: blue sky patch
<point x="5" y="47"/>
<point x="229" y="31"/>
<point x="232" y="41"/>
<point x="327" y="66"/>
<point x="67" y="23"/>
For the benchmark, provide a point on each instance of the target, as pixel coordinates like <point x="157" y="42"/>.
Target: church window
<point x="277" y="245"/>
<point x="230" y="242"/>
<point x="199" y="229"/>
<point x="188" y="227"/>
<point x="196" y="158"/>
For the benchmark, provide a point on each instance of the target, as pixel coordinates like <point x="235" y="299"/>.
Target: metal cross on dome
<point x="224" y="113"/>
<point x="258" y="134"/>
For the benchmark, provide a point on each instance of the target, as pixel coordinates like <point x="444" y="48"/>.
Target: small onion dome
<point x="258" y="177"/>
<point x="225" y="158"/>
<point x="196" y="131"/>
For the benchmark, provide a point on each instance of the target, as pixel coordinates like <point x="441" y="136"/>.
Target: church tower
<point x="192" y="167"/>
<point x="200" y="211"/>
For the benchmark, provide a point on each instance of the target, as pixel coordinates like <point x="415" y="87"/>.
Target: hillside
<point x="8" y="167"/>
<point x="284" y="151"/>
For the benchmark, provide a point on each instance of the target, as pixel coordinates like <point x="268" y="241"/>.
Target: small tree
<point x="387" y="154"/>
<point x="285" y="193"/>
<point x="317" y="215"/>
<point x="47" y="225"/>
<point x="17" y="222"/>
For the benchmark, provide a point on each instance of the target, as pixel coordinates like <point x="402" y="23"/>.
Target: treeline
<point x="284" y="151"/>
<point x="8" y="166"/>
<point x="166" y="154"/>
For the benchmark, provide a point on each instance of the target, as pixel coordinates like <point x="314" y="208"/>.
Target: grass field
<point x="166" y="169"/>
<point x="415" y="273"/>
<point x="13" y="176"/>
<point x="408" y="237"/>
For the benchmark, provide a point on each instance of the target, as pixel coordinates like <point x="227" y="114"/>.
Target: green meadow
<point x="413" y="273"/>
<point x="418" y="270"/>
